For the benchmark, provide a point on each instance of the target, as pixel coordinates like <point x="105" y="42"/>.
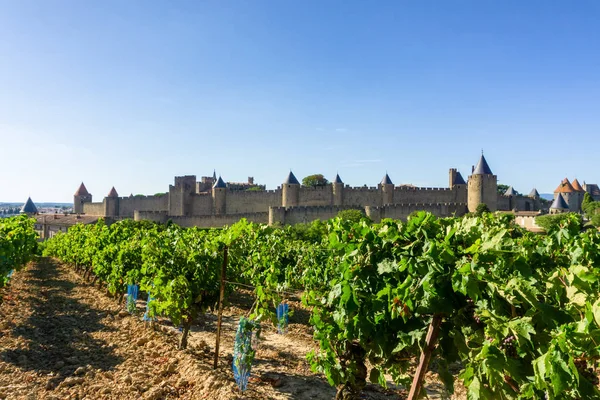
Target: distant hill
<point x="547" y="196"/>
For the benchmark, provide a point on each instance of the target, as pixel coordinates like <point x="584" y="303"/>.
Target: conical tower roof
<point x="577" y="186"/>
<point x="482" y="167"/>
<point x="534" y="193"/>
<point x="291" y="179"/>
<point x="337" y="179"/>
<point x="214" y="175"/>
<point x="458" y="179"/>
<point x="559" y="203"/>
<point x="113" y="192"/>
<point x="29" y="207"/>
<point x="219" y="184"/>
<point x="564" y="187"/>
<point x="386" y="180"/>
<point x="82" y="191"/>
<point x="510" y="191"/>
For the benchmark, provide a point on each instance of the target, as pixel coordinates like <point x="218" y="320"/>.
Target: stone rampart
<point x="252" y="201"/>
<point x="402" y="211"/>
<point x="219" y="221"/>
<point x="408" y="194"/>
<point x="366" y="196"/>
<point x="156" y="216"/>
<point x="127" y="205"/>
<point x="202" y="204"/>
<point x="93" y="209"/>
<point x="304" y="214"/>
<point x="316" y="196"/>
<point x="520" y="203"/>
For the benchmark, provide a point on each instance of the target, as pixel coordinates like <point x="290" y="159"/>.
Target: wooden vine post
<point x="220" y="312"/>
<point x="430" y="341"/>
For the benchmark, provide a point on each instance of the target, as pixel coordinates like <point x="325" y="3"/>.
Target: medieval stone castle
<point x="213" y="203"/>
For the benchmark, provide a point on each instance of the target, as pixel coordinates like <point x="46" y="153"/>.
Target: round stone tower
<point x="290" y="191"/>
<point x="482" y="187"/>
<point x="387" y="190"/>
<point x="338" y="191"/>
<point x="81" y="196"/>
<point x="569" y="194"/>
<point x="579" y="193"/>
<point x="219" y="194"/>
<point x="111" y="203"/>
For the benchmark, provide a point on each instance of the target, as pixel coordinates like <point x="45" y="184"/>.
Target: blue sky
<point x="132" y="93"/>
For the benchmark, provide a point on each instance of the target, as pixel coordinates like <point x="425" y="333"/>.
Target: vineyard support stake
<point x="430" y="341"/>
<point x="220" y="313"/>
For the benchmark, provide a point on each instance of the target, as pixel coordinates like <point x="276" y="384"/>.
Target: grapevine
<point x="520" y="312"/>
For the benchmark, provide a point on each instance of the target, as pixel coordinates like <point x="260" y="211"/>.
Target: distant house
<point x="48" y="225"/>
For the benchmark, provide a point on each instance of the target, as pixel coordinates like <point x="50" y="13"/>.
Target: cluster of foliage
<point x="551" y="222"/>
<point x="591" y="209"/>
<point x="481" y="209"/>
<point x="181" y="267"/>
<point x="352" y="215"/>
<point x="520" y="311"/>
<point x="311" y="231"/>
<point x="314" y="180"/>
<point x="502" y="188"/>
<point x="18" y="244"/>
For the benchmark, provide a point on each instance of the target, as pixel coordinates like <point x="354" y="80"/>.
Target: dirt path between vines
<point x="62" y="338"/>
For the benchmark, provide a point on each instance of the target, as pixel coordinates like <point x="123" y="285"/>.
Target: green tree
<point x="352" y="215"/>
<point x="255" y="189"/>
<point x="551" y="223"/>
<point x="590" y="207"/>
<point x="481" y="209"/>
<point x="315" y="180"/>
<point x="502" y="188"/>
<point x="587" y="199"/>
<point x="312" y="232"/>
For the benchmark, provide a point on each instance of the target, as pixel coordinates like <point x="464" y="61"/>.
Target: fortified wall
<point x="402" y="211"/>
<point x="192" y="203"/>
<point x="518" y="202"/>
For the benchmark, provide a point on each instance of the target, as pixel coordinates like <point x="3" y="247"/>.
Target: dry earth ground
<point x="63" y="338"/>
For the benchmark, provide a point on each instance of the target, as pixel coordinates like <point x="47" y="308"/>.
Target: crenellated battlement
<point x="151" y="212"/>
<point x="316" y="188"/>
<point x="189" y="179"/>
<point x="417" y="188"/>
<point x="402" y="211"/>
<point x="253" y="194"/>
<point x="143" y="197"/>
<point x="362" y="188"/>
<point x="319" y="208"/>
<point x="219" y="221"/>
<point x="388" y="206"/>
<point x="198" y="204"/>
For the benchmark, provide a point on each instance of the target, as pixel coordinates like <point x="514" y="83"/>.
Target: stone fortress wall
<point x="293" y="203"/>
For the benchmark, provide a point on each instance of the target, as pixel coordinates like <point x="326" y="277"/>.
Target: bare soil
<point x="64" y="338"/>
